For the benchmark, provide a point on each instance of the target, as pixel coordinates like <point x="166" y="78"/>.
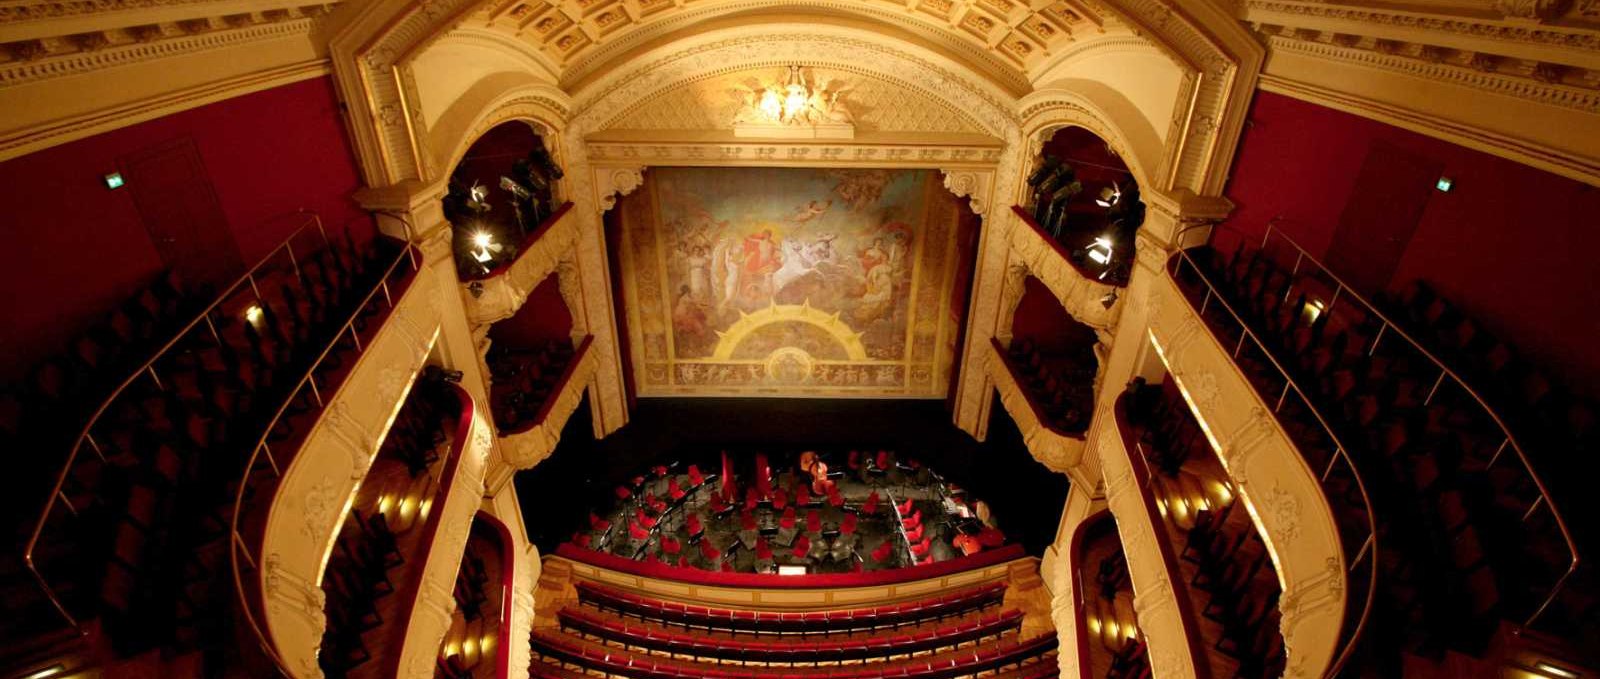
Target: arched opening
<point x="1084" y="197"/>
<point x="1054" y="355"/>
<point x="497" y="196"/>
<point x="1109" y="641"/>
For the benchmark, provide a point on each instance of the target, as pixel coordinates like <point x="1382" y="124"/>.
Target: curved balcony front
<point x="1059" y="450"/>
<point x="502" y="291"/>
<point x="529" y="442"/>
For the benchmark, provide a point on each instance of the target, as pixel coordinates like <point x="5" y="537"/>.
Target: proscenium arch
<point x="371" y="51"/>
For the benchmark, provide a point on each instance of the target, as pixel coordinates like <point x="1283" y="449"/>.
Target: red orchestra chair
<point x="814" y="521"/>
<point x="695" y="477"/>
<point x="802" y="546"/>
<point x="623" y="493"/>
<point x="693" y="525"/>
<point x="788" y="518"/>
<point x="673" y="490"/>
<point x="598" y="524"/>
<point x="670" y="545"/>
<point x="871" y="505"/>
<point x="883" y="552"/>
<point x="749" y="520"/>
<point x="915" y="534"/>
<point x="709" y="550"/>
<point x="848" y="525"/>
<point x="644" y="519"/>
<point x="763" y="550"/>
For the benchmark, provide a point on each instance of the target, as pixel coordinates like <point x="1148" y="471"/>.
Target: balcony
<point x="499" y="293"/>
<point x="149" y="474"/>
<point x="1045" y="430"/>
<point x="534" y="397"/>
<point x="1383" y="415"/>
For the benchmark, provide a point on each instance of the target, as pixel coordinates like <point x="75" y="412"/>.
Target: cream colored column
<point x="412" y="211"/>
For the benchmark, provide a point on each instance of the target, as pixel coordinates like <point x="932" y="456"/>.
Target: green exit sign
<point x="114" y="180"/>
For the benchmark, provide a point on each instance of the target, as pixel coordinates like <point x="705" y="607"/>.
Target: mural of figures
<point x="797" y="280"/>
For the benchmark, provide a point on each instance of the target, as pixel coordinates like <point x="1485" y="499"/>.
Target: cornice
<point x="92" y="57"/>
<point x="1500" y="30"/>
<point x="1550" y="93"/>
<point x="15" y="143"/>
<point x="11" y="12"/>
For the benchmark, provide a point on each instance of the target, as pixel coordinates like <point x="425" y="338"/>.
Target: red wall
<point x="1513" y="245"/>
<point x="1041" y="319"/>
<point x="75" y="249"/>
<point x="543" y="318"/>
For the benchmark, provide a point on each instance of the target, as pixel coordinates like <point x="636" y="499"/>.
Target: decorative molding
<point x="1492" y="81"/>
<point x="101" y="55"/>
<point x="806" y="153"/>
<point x="523" y="450"/>
<point x="1580" y="164"/>
<point x="1057" y="452"/>
<point x="613" y="182"/>
<point x="63" y="129"/>
<point x="977" y="186"/>
<point x="1465" y="27"/>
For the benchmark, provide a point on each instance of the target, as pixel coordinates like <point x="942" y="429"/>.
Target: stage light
<point x="1100" y="251"/>
<point x="1314" y="309"/>
<point x="1444" y="184"/>
<point x="252" y="315"/>
<point x="1109" y="196"/>
<point x="50" y="671"/>
<point x="114" y="180"/>
<point x="482" y="239"/>
<point x="1550" y="670"/>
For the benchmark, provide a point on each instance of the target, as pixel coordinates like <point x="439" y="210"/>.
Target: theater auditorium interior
<point x="827" y="339"/>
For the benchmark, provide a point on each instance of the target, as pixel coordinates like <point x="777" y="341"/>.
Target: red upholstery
<point x="782" y="650"/>
<point x="961" y="662"/>
<point x="910" y="612"/>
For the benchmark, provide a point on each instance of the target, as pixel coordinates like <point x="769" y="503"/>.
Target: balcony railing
<point x="1144" y="481"/>
<point x="264" y="467"/>
<point x="1359" y="532"/>
<point x="85" y="439"/>
<point x="1447" y="376"/>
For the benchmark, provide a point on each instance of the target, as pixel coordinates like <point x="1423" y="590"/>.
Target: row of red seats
<point x="552" y="646"/>
<point x="524" y="378"/>
<point x="358" y="575"/>
<point x="369" y="559"/>
<point x="778" y="650"/>
<point x="151" y="491"/>
<point x="816" y="622"/>
<point x="1226" y="561"/>
<point x="1063" y="385"/>
<point x="1452" y="521"/>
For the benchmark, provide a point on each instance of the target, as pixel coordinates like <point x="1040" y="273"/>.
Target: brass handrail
<point x="1446" y="371"/>
<point x="147" y="368"/>
<point x="1369" y="547"/>
<point x="237" y="548"/>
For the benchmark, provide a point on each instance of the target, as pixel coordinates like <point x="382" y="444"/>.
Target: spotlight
<point x="482" y="239"/>
<point x="253" y="314"/>
<point x="1109" y="196"/>
<point x="1100" y="250"/>
<point x="1550" y="670"/>
<point x="50" y="671"/>
<point x="1314" y="309"/>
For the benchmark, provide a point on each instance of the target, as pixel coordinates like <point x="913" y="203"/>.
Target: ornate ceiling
<point x="578" y="36"/>
<point x="877" y="105"/>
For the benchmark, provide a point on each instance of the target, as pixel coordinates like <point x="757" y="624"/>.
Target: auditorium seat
<point x="669" y="613"/>
<point x="1454" y="500"/>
